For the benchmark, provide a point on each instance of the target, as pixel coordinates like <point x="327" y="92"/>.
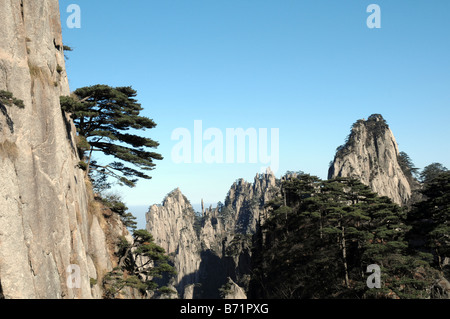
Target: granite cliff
<point x="49" y="220"/>
<point x="371" y="155"/>
<point x="172" y="226"/>
<point x="211" y="250"/>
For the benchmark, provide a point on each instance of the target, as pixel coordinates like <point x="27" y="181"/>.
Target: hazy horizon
<point x="139" y="211"/>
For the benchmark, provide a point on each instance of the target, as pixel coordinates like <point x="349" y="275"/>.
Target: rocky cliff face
<point x="172" y="226"/>
<point x="245" y="202"/>
<point x="212" y="250"/>
<point x="371" y="155"/>
<point x="47" y="220"/>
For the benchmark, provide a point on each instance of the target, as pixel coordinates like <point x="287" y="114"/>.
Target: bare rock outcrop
<point x="46" y="222"/>
<point x="213" y="246"/>
<point x="245" y="202"/>
<point x="371" y="155"/>
<point x="233" y="291"/>
<point x="172" y="226"/>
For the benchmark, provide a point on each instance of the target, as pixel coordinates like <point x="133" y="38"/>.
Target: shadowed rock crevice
<point x="212" y="276"/>
<point x="9" y="121"/>
<point x="1" y="291"/>
<point x="69" y="130"/>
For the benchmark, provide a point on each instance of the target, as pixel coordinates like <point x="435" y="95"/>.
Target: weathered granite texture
<point x="47" y="219"/>
<point x="371" y="155"/>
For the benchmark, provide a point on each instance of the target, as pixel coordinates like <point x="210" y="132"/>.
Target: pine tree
<point x="102" y="116"/>
<point x="284" y="256"/>
<point x="432" y="171"/>
<point x="347" y="222"/>
<point x="405" y="273"/>
<point x="321" y="236"/>
<point x="407" y="165"/>
<point x="115" y="203"/>
<point x="140" y="263"/>
<point x="433" y="216"/>
<point x="8" y="99"/>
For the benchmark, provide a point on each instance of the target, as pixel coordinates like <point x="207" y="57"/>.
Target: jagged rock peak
<point x="370" y="154"/>
<point x="206" y="249"/>
<point x="172" y="226"/>
<point x="175" y="196"/>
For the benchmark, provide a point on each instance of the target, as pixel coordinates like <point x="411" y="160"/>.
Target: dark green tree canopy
<point x="432" y="171"/>
<point x="320" y="236"/>
<point x="433" y="215"/>
<point x="104" y="116"/>
<point x="140" y="264"/>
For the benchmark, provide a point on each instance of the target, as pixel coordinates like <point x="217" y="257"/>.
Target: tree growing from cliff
<point x="103" y="116"/>
<point x="407" y="165"/>
<point x="140" y="263"/>
<point x="8" y="99"/>
<point x="115" y="203"/>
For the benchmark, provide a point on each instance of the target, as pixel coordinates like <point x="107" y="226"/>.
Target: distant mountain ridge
<point x="214" y="250"/>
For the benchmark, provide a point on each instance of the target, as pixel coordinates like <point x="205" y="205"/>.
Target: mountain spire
<point x="371" y="155"/>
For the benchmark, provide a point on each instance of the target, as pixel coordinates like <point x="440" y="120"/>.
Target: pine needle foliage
<point x="106" y="118"/>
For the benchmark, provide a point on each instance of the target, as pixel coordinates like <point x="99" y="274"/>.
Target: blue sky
<point x="308" y="68"/>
